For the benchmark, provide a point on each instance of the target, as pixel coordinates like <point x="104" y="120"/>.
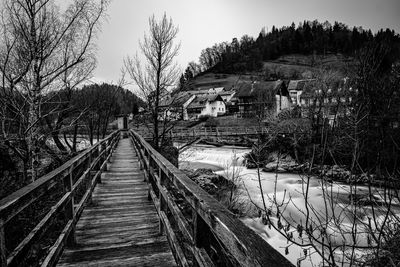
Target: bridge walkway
<point x="121" y="226"/>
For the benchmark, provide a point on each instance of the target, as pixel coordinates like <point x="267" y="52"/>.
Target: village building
<point x="208" y="91"/>
<point x="296" y="88"/>
<point x="208" y="105"/>
<point x="270" y="96"/>
<point x="227" y="95"/>
<point x="332" y="103"/>
<point x="175" y="107"/>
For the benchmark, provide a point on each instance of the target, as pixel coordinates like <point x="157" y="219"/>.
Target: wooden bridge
<point x="233" y="134"/>
<point x="123" y="204"/>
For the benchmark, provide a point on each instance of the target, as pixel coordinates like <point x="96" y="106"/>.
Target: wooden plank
<point x="120" y="221"/>
<point x="202" y="257"/>
<point x="22" y="198"/>
<point x="177" y="214"/>
<point x="40" y="228"/>
<point x="3" y="256"/>
<point x="87" y="256"/>
<point x="173" y="241"/>
<point x="58" y="246"/>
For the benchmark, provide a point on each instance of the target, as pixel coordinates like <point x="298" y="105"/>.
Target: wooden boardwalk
<point x="121" y="226"/>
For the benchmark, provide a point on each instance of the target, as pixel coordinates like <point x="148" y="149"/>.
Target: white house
<point x="209" y="105"/>
<point x="296" y="88"/>
<point x="175" y="107"/>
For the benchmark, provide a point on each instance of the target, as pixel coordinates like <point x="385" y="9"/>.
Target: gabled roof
<point x="201" y="101"/>
<point x="299" y="85"/>
<point x="226" y="92"/>
<point x="259" y="88"/>
<point x="177" y="100"/>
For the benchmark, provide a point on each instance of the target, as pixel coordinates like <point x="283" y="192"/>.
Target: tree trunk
<point x="73" y="149"/>
<point x="91" y="130"/>
<point x="32" y="139"/>
<point x="55" y="133"/>
<point x="67" y="142"/>
<point x="98" y="126"/>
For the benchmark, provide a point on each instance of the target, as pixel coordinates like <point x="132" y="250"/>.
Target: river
<point x="286" y="187"/>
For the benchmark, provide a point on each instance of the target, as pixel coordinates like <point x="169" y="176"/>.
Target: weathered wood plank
<point x="120" y="227"/>
<point x="57" y="248"/>
<point x="22" y="198"/>
<point x="3" y="257"/>
<point x="43" y="225"/>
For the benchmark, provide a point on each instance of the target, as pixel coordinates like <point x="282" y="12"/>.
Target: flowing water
<point x="286" y="187"/>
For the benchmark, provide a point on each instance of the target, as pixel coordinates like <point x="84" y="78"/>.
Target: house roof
<point x="226" y="92"/>
<point x="212" y="90"/>
<point x="201" y="101"/>
<point x="299" y="85"/>
<point x="177" y="100"/>
<point x="259" y="88"/>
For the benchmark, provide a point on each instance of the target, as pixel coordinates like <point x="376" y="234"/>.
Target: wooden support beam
<point x="3" y="256"/>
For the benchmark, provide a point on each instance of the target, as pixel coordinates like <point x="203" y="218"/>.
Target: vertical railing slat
<point x="3" y="256"/>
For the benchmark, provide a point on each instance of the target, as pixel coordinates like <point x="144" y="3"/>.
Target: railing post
<point x="70" y="209"/>
<point x="99" y="150"/>
<point x="104" y="157"/>
<point x="111" y="144"/>
<point x="160" y="183"/>
<point x="148" y="168"/>
<point x="3" y="256"/>
<point x="200" y="231"/>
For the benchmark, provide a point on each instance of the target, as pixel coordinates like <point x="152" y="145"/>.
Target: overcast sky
<point x="203" y="23"/>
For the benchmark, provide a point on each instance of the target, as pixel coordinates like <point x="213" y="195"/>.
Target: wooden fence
<point x="218" y="131"/>
<point x="81" y="173"/>
<point x="201" y="231"/>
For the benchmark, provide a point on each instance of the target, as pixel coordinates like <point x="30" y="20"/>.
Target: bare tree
<point x="42" y="52"/>
<point x="353" y="224"/>
<point x="159" y="72"/>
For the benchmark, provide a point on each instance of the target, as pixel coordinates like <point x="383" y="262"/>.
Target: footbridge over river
<point x="123" y="204"/>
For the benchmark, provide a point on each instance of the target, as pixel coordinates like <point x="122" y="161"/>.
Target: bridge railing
<point x="77" y="178"/>
<point x="201" y="231"/>
<point x="218" y="131"/>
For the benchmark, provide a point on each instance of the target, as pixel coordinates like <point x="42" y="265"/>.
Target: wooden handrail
<point x="95" y="159"/>
<point x="216" y="131"/>
<point x="212" y="235"/>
